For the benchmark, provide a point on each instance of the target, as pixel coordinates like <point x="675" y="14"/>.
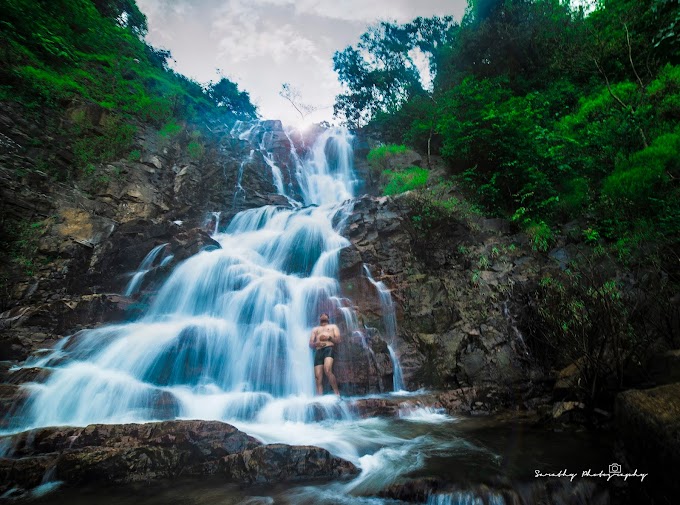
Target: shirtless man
<point x="323" y="340"/>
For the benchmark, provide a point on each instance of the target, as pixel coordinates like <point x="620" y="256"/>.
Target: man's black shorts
<point x="321" y="354"/>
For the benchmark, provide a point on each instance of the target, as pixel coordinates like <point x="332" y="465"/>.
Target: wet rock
<point x="363" y="367"/>
<point x="12" y="400"/>
<point x="190" y="242"/>
<point x="87" y="236"/>
<point x="19" y="475"/>
<point x="23" y="375"/>
<point x="414" y="490"/>
<point x="568" y="411"/>
<point x="545" y="491"/>
<point x="648" y="425"/>
<point x="131" y="243"/>
<point x="121" y="454"/>
<point x="30" y="328"/>
<point x="567" y="380"/>
<point x="66" y="314"/>
<point x="283" y="463"/>
<point x="394" y="406"/>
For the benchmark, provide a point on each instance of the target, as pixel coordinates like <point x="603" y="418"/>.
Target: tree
<point x="125" y="12"/>
<point x="379" y="74"/>
<point x="226" y="95"/>
<point x="293" y="95"/>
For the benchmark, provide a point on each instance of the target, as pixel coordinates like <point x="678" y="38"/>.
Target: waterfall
<point x="239" y="190"/>
<point x="390" y="323"/>
<point x="216" y="215"/>
<point x="398" y="376"/>
<point x="142" y="270"/>
<point x="227" y="335"/>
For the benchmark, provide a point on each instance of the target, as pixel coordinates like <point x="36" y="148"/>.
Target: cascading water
<point x="226" y="339"/>
<point x="239" y="190"/>
<point x="226" y="336"/>
<point x="390" y="324"/>
<point x="143" y="269"/>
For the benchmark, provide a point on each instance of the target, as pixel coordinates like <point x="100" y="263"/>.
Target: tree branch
<point x="609" y="87"/>
<point x="630" y="57"/>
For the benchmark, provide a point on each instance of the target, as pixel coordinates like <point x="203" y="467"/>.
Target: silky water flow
<point x="226" y="338"/>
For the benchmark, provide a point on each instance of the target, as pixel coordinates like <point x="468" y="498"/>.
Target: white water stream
<point x="390" y="324"/>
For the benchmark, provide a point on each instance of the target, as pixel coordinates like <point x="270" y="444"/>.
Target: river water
<point x="226" y="339"/>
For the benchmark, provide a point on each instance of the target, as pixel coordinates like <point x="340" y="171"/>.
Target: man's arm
<point x="312" y="339"/>
<point x="336" y="335"/>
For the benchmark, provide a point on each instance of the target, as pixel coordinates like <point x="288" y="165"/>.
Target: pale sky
<point x="260" y="44"/>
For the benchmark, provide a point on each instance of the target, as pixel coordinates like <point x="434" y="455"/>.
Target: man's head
<point x="323" y="318"/>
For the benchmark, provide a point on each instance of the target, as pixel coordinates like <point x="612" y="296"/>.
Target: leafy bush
<point x="94" y="52"/>
<point x="378" y="157"/>
<point x="170" y="129"/>
<point x="406" y="180"/>
<point x="540" y="234"/>
<point x="592" y="320"/>
<point x="111" y="140"/>
<point x="434" y="208"/>
<point x="646" y="174"/>
<point x="49" y="86"/>
<point x="195" y="150"/>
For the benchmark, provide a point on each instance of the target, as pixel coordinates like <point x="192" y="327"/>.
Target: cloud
<point x="367" y="11"/>
<point x="262" y="43"/>
<point x="245" y="32"/>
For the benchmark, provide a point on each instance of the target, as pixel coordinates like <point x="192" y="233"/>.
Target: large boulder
<point x="648" y="425"/>
<point x="284" y="463"/>
<point x="122" y="454"/>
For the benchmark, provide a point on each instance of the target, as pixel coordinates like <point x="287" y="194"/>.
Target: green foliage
<point x="227" y="97"/>
<point x="540" y="234"/>
<point x="379" y="74"/>
<point x="404" y="180"/>
<point x="20" y="243"/>
<point x="49" y="86"/>
<point x="111" y="139"/>
<point x="378" y="155"/>
<point x="589" y="319"/>
<point x="544" y="114"/>
<point x="170" y="129"/>
<point x="434" y="208"/>
<point x="591" y="236"/>
<point x="646" y="174"/>
<point x="196" y="150"/>
<point x="379" y="160"/>
<point x="57" y="53"/>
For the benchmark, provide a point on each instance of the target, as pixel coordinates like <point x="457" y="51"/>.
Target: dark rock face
<point x="122" y="454"/>
<point x="285" y="463"/>
<point x="363" y="366"/>
<point x="88" y="237"/>
<point x="456" y="290"/>
<point x="648" y="425"/>
<point x="132" y="241"/>
<point x="28" y="328"/>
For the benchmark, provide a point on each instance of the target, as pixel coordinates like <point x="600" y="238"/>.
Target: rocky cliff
<point x="458" y="289"/>
<point x="71" y="248"/>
